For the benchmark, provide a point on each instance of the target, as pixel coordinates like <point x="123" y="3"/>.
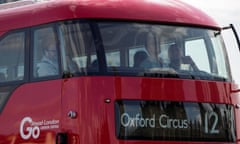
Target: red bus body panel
<point x="168" y="11"/>
<point x="95" y="121"/>
<point x="38" y="101"/>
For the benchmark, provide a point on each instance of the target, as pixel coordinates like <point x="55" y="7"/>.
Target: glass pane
<point x="197" y="50"/>
<point x="220" y="57"/>
<point x="136" y="53"/>
<point x="157" y="50"/>
<point x="142" y="49"/>
<point x="113" y="58"/>
<point x="45" y="56"/>
<point x="78" y="49"/>
<point x="12" y="57"/>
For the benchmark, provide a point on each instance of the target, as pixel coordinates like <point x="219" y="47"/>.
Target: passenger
<point x="48" y="65"/>
<point x="177" y="59"/>
<point x="152" y="60"/>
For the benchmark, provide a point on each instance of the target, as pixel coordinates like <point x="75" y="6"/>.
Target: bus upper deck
<point x="124" y="71"/>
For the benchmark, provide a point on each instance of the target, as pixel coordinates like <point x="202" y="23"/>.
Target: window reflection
<point x="12" y="57"/>
<point x="152" y="50"/>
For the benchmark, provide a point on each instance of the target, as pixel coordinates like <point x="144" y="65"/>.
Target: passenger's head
<point x="151" y="45"/>
<point x="50" y="50"/>
<point x="174" y="55"/>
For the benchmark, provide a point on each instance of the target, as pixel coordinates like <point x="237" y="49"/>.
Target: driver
<point x="152" y="60"/>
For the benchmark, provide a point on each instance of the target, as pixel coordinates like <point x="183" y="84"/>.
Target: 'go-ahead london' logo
<point x="31" y="129"/>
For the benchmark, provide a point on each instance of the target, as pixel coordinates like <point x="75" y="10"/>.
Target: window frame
<point x="25" y="32"/>
<point x="103" y="69"/>
<point x="50" y="77"/>
<point x="10" y="86"/>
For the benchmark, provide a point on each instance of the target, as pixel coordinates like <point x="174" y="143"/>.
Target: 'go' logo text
<point x="29" y="131"/>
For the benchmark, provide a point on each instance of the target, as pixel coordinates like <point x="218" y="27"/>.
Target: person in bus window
<point x="178" y="61"/>
<point x="152" y="60"/>
<point x="48" y="65"/>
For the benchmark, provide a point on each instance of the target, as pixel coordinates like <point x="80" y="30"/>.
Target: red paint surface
<point x="95" y="122"/>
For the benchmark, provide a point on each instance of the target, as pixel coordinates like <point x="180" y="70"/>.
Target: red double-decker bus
<point x="114" y="72"/>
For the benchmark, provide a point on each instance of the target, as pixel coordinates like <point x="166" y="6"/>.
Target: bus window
<point x="113" y="45"/>
<point x="208" y="54"/>
<point x="11" y="63"/>
<point x="220" y="56"/>
<point x="133" y="62"/>
<point x="113" y="59"/>
<point x="200" y="51"/>
<point x="12" y="57"/>
<point x="78" y="48"/>
<point x="197" y="50"/>
<point x="45" y="57"/>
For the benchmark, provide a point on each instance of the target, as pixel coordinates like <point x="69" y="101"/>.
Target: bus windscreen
<point x="151" y="50"/>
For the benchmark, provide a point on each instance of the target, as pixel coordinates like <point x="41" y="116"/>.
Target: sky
<point x="224" y="12"/>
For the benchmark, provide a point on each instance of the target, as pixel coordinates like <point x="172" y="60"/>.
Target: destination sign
<point x="168" y="120"/>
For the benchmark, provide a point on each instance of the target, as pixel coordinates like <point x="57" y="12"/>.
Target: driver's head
<point x="174" y="53"/>
<point x="151" y="45"/>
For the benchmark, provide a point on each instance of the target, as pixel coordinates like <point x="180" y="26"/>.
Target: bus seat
<point x="139" y="57"/>
<point x="94" y="64"/>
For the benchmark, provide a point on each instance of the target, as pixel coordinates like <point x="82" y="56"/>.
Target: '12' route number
<point x="211" y="129"/>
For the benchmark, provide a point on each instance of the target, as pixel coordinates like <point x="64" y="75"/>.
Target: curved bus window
<point x="12" y="57"/>
<point x="208" y="60"/>
<point x="11" y="63"/>
<point x="164" y="51"/>
<point x="45" y="53"/>
<point x="138" y="49"/>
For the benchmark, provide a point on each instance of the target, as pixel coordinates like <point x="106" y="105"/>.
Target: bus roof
<point x="40" y="12"/>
